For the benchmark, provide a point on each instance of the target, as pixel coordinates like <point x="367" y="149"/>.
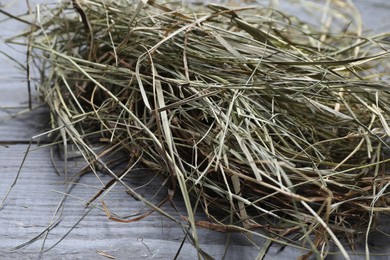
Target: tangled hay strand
<point x="269" y="125"/>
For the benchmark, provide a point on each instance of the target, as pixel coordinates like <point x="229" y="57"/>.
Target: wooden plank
<point x="19" y="125"/>
<point x="35" y="197"/>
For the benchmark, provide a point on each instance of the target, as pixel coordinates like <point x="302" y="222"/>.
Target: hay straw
<point x="271" y="127"/>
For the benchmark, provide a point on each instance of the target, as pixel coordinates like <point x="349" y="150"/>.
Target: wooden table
<point x="30" y="206"/>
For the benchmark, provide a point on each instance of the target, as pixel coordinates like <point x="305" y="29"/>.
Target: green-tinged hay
<point x="271" y="127"/>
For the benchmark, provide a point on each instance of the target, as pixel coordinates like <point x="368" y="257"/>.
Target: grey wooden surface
<point x="31" y="204"/>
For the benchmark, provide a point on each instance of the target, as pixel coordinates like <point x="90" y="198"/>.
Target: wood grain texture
<point x="39" y="189"/>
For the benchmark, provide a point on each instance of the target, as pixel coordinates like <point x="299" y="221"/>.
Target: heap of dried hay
<point x="267" y="124"/>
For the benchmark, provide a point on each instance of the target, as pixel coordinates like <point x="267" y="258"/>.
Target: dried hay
<point x="271" y="127"/>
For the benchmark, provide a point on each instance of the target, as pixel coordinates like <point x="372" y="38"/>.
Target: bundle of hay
<point x="268" y="125"/>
